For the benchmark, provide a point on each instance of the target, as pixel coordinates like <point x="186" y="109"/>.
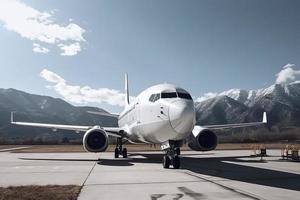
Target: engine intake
<point x="205" y="140"/>
<point x="95" y="140"/>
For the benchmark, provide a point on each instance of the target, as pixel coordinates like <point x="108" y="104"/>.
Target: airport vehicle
<point x="162" y="114"/>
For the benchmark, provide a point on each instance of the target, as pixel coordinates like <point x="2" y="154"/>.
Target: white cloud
<point x="51" y="76"/>
<point x="289" y="66"/>
<point x="37" y="48"/>
<point x="206" y="96"/>
<point x="83" y="94"/>
<point x="38" y="26"/>
<point x="70" y="50"/>
<point x="287" y="74"/>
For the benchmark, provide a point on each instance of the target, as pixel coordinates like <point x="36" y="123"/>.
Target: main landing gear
<point x="119" y="150"/>
<point x="171" y="156"/>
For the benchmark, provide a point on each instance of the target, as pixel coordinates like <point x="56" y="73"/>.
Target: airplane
<point x="163" y="114"/>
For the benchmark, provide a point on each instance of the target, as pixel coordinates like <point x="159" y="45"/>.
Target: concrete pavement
<point x="203" y="175"/>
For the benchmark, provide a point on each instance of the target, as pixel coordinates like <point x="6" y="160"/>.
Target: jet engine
<point x="202" y="139"/>
<point x="95" y="140"/>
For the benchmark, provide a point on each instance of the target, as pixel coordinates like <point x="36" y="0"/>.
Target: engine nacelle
<point x="95" y="140"/>
<point x="202" y="139"/>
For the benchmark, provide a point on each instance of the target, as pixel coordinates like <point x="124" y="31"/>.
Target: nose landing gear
<point x="172" y="152"/>
<point x="119" y="150"/>
<point x="171" y="158"/>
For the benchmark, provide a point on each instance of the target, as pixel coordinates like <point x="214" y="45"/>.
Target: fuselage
<point x="160" y="113"/>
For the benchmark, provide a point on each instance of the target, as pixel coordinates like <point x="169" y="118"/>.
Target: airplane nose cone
<point x="182" y="116"/>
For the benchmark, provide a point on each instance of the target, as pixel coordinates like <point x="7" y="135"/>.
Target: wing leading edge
<point x="115" y="115"/>
<point x="112" y="131"/>
<point x="240" y="125"/>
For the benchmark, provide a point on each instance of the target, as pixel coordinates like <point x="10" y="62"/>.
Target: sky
<point x="80" y="50"/>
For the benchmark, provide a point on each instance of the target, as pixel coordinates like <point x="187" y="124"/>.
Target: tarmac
<point x="222" y="175"/>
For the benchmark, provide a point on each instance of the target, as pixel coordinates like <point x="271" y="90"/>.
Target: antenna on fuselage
<point x="126" y="90"/>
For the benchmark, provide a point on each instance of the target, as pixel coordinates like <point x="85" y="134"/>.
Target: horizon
<point x="198" y="100"/>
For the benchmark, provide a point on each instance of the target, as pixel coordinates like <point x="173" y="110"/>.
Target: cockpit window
<point x="165" y="95"/>
<point x="154" y="97"/>
<point x="184" y="95"/>
<point x="151" y="97"/>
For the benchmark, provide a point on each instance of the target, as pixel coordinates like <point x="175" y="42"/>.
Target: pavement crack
<point x="89" y="174"/>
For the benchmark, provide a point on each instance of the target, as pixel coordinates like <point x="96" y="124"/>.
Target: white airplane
<point x="162" y="114"/>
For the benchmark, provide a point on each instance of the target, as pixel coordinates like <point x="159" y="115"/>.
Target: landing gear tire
<point x="176" y="162"/>
<point x="166" y="162"/>
<point x="119" y="150"/>
<point x="171" y="156"/>
<point x="116" y="153"/>
<point x="124" y="153"/>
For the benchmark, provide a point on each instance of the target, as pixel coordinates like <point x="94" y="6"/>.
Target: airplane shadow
<point x="60" y="159"/>
<point x="228" y="168"/>
<point x="110" y="162"/>
<point x="221" y="167"/>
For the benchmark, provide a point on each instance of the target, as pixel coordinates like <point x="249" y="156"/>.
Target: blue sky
<point x="202" y="46"/>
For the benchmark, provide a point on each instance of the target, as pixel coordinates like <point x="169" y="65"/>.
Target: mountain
<point x="220" y="110"/>
<point x="280" y="101"/>
<point x="43" y="109"/>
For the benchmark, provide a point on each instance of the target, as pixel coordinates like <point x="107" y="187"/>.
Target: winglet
<point x="264" y="118"/>
<point x="12" y="118"/>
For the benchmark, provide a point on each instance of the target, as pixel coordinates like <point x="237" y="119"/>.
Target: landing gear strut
<point x="119" y="150"/>
<point x="171" y="156"/>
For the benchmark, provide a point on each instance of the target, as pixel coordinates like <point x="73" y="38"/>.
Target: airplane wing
<point x="112" y="131"/>
<point x="227" y="126"/>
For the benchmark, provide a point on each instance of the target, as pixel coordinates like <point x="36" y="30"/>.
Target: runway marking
<point x="167" y="196"/>
<point x="176" y="196"/>
<point x="240" y="192"/>
<point x="15" y="148"/>
<point x="191" y="193"/>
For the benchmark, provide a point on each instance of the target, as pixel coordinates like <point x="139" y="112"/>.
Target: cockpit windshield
<point x="184" y="95"/>
<point x="180" y="93"/>
<point x="165" y="95"/>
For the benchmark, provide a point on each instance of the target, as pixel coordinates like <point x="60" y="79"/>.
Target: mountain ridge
<point x="43" y="109"/>
<point x="280" y="101"/>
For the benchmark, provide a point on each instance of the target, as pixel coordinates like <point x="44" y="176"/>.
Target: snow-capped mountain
<point x="281" y="101"/>
<point x="249" y="97"/>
